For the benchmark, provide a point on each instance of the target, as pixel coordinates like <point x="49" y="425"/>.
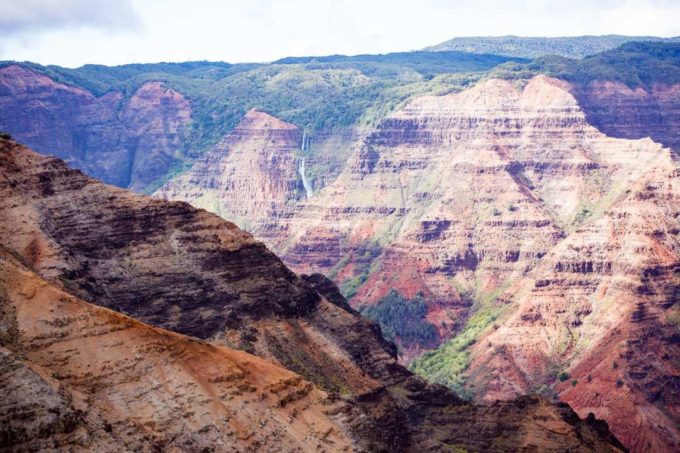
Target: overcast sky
<point x="75" y="32"/>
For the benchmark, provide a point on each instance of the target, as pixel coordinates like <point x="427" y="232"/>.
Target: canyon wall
<point x="501" y="224"/>
<point x="600" y="314"/>
<point x="621" y="111"/>
<point x="252" y="177"/>
<point x="128" y="141"/>
<point x="76" y="376"/>
<point x="69" y="238"/>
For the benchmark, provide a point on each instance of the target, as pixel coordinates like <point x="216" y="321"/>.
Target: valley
<point x="424" y="245"/>
<point x="90" y="376"/>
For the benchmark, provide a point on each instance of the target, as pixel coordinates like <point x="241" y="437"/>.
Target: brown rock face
<point x="154" y="118"/>
<point x="85" y="377"/>
<point x="185" y="269"/>
<point x="251" y="177"/>
<point x="127" y="142"/>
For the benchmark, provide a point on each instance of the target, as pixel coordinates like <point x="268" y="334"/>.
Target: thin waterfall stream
<point x="301" y="168"/>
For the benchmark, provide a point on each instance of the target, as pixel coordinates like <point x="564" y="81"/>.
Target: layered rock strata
<point x="181" y="268"/>
<point x="80" y="377"/>
<point x="600" y="312"/>
<point x="459" y="196"/>
<point x="251" y="177"/>
<point x="509" y="201"/>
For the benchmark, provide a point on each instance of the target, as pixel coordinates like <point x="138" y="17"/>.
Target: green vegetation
<point x="366" y="262"/>
<point x="563" y="376"/>
<point x="406" y="64"/>
<point x="349" y="287"/>
<point x="446" y="364"/>
<point x="636" y="64"/>
<point x="5" y="136"/>
<point x="402" y="319"/>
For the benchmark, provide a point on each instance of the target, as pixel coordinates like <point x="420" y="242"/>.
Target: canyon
<point x="89" y="368"/>
<point x="502" y="208"/>
<point x="514" y="233"/>
<point x="126" y="141"/>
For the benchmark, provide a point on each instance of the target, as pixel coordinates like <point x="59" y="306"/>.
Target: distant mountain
<point x="427" y="64"/>
<point x="532" y="47"/>
<point x="133" y="125"/>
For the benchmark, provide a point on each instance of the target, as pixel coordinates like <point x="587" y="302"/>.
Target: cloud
<point x="21" y="17"/>
<point x="75" y="32"/>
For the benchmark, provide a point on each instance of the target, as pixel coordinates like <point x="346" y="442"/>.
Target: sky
<point x="76" y="32"/>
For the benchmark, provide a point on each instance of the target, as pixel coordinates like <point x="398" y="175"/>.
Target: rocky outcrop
<point x="251" y="177"/>
<point x="181" y="268"/>
<point x="129" y="142"/>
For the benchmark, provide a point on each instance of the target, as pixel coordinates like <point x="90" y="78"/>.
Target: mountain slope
<point x="459" y="196"/>
<point x="602" y="308"/>
<point x="108" y="382"/>
<point x="126" y="141"/>
<point x="533" y="47"/>
<point x="496" y="212"/>
<point x="251" y="177"/>
<point x="182" y="268"/>
<point x="136" y="125"/>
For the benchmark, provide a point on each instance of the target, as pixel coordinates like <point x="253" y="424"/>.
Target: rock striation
<point x="76" y="376"/>
<point x="459" y="196"/>
<point x="176" y="267"/>
<point x="251" y="177"/>
<point x="600" y="311"/>
<point x="508" y="207"/>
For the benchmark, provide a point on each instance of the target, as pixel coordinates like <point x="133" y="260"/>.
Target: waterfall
<point x="305" y="182"/>
<point x="305" y="142"/>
